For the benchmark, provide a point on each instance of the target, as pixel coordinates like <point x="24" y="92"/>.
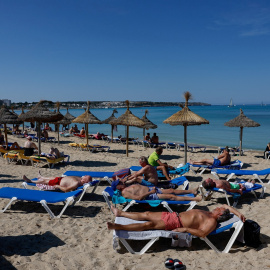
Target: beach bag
<point x="252" y="233"/>
<point x="121" y="174"/>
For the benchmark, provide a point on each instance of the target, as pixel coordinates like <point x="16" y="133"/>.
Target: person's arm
<point x="129" y="195"/>
<point x="161" y="164"/>
<point x="197" y="232"/>
<point x="234" y="211"/>
<point x="67" y="189"/>
<point x="235" y="191"/>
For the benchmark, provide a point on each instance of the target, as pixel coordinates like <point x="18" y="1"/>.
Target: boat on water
<point x="231" y="103"/>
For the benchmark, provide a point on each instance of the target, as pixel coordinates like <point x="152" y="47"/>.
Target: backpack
<point x="252" y="233"/>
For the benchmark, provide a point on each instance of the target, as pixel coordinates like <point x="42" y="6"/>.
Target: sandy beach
<point x="29" y="239"/>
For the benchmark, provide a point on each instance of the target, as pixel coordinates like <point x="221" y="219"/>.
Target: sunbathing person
<point x="196" y="222"/>
<point x="147" y="174"/>
<point x="66" y="184"/>
<point x="82" y="132"/>
<point x="155" y="161"/>
<point x="228" y="186"/>
<point x="14" y="146"/>
<point x="223" y="159"/>
<point x="140" y="192"/>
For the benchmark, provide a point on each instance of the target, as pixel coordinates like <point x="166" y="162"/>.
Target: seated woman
<point x="53" y="154"/>
<point x="47" y="127"/>
<point x="14" y="146"/>
<point x="266" y="151"/>
<point x="82" y="132"/>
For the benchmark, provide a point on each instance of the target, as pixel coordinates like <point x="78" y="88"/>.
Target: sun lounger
<point x="178" y="171"/>
<point x="255" y="173"/>
<point x="153" y="235"/>
<point x="118" y="199"/>
<point x="48" y="161"/>
<point x="44" y="197"/>
<point x="94" y="148"/>
<point x="104" y="175"/>
<point x="94" y="184"/>
<point x="154" y="145"/>
<point x="236" y="196"/>
<point x="234" y="165"/>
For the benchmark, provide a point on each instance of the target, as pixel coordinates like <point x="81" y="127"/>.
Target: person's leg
<point x="179" y="191"/>
<point x="148" y="225"/>
<point x="202" y="162"/>
<point x="173" y="197"/>
<point x="164" y="171"/>
<point x="39" y="181"/>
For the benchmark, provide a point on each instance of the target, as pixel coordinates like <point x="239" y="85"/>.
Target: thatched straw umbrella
<point x="8" y="117"/>
<point x="128" y="119"/>
<point x="185" y="117"/>
<point x="148" y="123"/>
<point x="40" y="114"/>
<point x="241" y="121"/>
<point x="87" y="118"/>
<point x="110" y="119"/>
<point x="67" y="120"/>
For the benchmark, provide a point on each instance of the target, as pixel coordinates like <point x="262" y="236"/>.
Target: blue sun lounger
<point x="234" y="165"/>
<point x="254" y="173"/>
<point x="236" y="196"/>
<point x="104" y="175"/>
<point x="93" y="184"/>
<point x="44" y="197"/>
<point x="154" y="235"/>
<point x="118" y="199"/>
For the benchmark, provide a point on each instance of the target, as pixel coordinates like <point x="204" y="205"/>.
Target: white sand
<point x="29" y="239"/>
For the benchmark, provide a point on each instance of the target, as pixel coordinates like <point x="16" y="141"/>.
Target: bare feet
<point x="116" y="212"/>
<point x="110" y="225"/>
<point x="198" y="198"/>
<point x="26" y="179"/>
<point x="195" y="191"/>
<point x="191" y="162"/>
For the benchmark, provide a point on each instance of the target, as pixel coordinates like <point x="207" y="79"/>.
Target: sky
<point x="140" y="50"/>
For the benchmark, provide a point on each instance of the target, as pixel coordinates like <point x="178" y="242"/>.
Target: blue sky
<point x="111" y="50"/>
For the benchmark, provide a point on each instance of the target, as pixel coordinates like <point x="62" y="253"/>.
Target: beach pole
<point x="5" y="126"/>
<point x="39" y="141"/>
<point x="86" y="127"/>
<point x="127" y="136"/>
<point x="185" y="142"/>
<point x="241" y="136"/>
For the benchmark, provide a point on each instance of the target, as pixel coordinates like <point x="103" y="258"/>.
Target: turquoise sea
<point x="214" y="134"/>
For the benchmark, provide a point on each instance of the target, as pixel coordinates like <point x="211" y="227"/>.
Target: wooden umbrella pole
<point x="241" y="136"/>
<point x="5" y="126"/>
<point x="112" y="134"/>
<point x="185" y="142"/>
<point x="143" y="133"/>
<point x="39" y="135"/>
<point x="127" y="140"/>
<point x="58" y="132"/>
<point x="86" y="126"/>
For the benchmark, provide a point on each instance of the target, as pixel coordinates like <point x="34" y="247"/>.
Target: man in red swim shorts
<point x="67" y="183"/>
<point x="196" y="222"/>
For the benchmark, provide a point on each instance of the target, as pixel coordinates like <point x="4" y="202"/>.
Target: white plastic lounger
<point x="236" y="196"/>
<point x="153" y="235"/>
<point x="44" y="197"/>
<point x="234" y="165"/>
<point x="84" y="188"/>
<point x="253" y="173"/>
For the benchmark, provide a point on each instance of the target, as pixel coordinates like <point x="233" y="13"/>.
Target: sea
<point x="212" y="134"/>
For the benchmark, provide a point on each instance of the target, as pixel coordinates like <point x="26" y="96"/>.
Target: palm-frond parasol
<point x="8" y="117"/>
<point x="147" y="123"/>
<point x="87" y="118"/>
<point x="128" y="119"/>
<point x="185" y="117"/>
<point x="241" y="121"/>
<point x="108" y="120"/>
<point x="40" y="114"/>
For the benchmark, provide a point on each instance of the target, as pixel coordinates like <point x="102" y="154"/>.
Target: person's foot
<point x="198" y="198"/>
<point x="191" y="162"/>
<point x="26" y="179"/>
<point x="116" y="211"/>
<point x="195" y="191"/>
<point x="110" y="226"/>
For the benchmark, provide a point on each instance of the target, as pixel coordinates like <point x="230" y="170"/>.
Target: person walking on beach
<point x="155" y="162"/>
<point x="223" y="159"/>
<point x="146" y="175"/>
<point x="65" y="184"/>
<point x="140" y="192"/>
<point x="196" y="222"/>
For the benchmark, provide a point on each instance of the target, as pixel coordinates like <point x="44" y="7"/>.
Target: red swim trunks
<point x="55" y="181"/>
<point x="171" y="220"/>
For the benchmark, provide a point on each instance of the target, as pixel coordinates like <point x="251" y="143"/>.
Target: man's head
<point x="208" y="183"/>
<point x="143" y="161"/>
<point x="86" y="179"/>
<point x="148" y="134"/>
<point x="222" y="214"/>
<point x="227" y="149"/>
<point x="159" y="150"/>
<point x="29" y="138"/>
